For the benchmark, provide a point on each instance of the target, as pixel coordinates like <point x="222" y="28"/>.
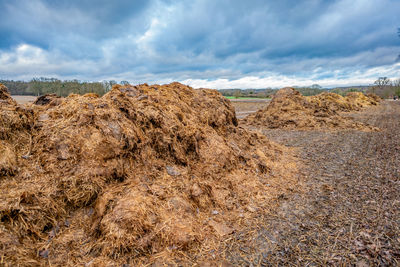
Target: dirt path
<point x="349" y="212"/>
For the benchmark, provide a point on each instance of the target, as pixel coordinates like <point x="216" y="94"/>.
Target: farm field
<point x="247" y="98"/>
<point x="244" y="107"/>
<point x="24" y="99"/>
<point x="348" y="211"/>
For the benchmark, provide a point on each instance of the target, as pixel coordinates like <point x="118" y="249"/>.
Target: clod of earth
<point x="48" y="99"/>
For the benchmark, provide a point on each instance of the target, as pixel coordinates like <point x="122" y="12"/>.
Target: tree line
<point x="383" y="86"/>
<point x="269" y="92"/>
<point x="41" y="86"/>
<point x="386" y="88"/>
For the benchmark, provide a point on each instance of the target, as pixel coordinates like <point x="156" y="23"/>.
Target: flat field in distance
<point x="23" y="99"/>
<point x="246" y="98"/>
<point x="244" y="107"/>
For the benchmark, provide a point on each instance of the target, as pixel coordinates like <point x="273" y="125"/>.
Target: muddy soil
<point x="349" y="210"/>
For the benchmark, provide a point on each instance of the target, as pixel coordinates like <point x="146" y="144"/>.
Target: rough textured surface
<point x="15" y="126"/>
<point x="5" y="95"/>
<point x="353" y="101"/>
<point x="374" y="97"/>
<point x="290" y="110"/>
<point x="361" y="101"/>
<point x="141" y="174"/>
<point x="48" y="99"/>
<point x="8" y="159"/>
<point x="333" y="101"/>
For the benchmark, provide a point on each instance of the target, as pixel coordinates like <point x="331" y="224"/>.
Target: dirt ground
<point x="23" y="99"/>
<point x="349" y="210"/>
<point x="244" y="107"/>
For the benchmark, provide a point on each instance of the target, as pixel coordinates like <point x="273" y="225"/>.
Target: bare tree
<point x="381" y="83"/>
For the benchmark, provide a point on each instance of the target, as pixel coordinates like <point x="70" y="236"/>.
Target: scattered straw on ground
<point x="141" y="174"/>
<point x="289" y="109"/>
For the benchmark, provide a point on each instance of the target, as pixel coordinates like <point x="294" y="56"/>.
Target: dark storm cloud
<point x="288" y="29"/>
<point x="202" y="40"/>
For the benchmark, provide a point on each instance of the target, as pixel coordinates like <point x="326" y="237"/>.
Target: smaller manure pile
<point x="353" y="101"/>
<point x="360" y="100"/>
<point x="290" y="110"/>
<point x="141" y="173"/>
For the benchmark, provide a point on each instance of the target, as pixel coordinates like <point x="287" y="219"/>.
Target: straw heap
<point x="290" y="110"/>
<point x="127" y="177"/>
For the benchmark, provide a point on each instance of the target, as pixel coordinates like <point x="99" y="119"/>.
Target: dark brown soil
<point x="349" y="213"/>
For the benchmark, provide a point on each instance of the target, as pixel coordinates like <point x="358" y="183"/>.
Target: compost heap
<point x="361" y="100"/>
<point x="376" y="99"/>
<point x="353" y="101"/>
<point x="142" y="172"/>
<point x="289" y="109"/>
<point x="15" y="125"/>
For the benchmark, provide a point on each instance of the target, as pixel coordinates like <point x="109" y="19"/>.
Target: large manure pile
<point x="290" y="110"/>
<point x="143" y="172"/>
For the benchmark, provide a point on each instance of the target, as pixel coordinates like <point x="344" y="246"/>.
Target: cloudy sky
<point x="203" y="43"/>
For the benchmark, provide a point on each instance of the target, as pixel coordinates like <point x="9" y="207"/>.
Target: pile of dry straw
<point x="290" y="110"/>
<point x="15" y="126"/>
<point x="143" y="172"/>
<point x="353" y="101"/>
